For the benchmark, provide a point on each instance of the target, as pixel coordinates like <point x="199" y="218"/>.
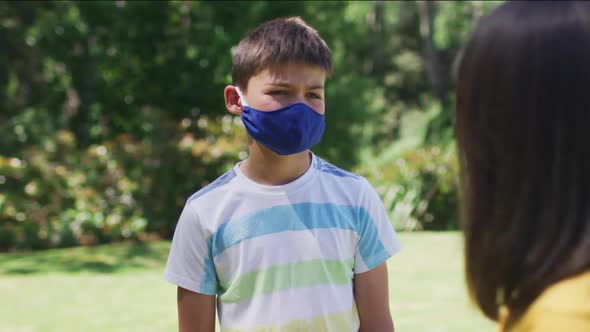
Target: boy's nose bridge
<point x="300" y="98"/>
<point x="298" y="95"/>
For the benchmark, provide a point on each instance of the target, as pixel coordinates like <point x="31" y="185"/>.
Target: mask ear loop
<point x="242" y="99"/>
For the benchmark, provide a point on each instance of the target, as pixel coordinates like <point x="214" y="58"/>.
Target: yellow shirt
<point x="565" y="306"/>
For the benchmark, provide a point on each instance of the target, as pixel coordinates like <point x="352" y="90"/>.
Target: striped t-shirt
<point x="282" y="258"/>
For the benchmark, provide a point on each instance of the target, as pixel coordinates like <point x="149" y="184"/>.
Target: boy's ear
<point x="232" y="100"/>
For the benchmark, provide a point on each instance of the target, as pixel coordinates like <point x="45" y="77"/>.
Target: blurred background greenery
<point x="112" y="113"/>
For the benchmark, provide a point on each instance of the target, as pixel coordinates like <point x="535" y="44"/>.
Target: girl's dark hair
<point x="523" y="134"/>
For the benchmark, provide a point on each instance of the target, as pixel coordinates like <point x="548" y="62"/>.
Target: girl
<point x="523" y="133"/>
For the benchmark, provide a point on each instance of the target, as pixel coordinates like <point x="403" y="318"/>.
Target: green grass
<point x="120" y="288"/>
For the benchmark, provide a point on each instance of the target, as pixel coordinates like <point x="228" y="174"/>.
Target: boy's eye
<point x="314" y="95"/>
<point x="277" y="92"/>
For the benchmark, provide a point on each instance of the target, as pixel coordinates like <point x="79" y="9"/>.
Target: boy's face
<point x="281" y="85"/>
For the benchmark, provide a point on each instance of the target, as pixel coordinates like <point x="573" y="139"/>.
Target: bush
<point x="58" y="194"/>
<point x="419" y="188"/>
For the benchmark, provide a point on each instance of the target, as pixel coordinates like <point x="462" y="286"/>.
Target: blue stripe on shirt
<point x="301" y="217"/>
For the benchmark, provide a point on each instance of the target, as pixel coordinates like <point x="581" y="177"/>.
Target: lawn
<point x="120" y="288"/>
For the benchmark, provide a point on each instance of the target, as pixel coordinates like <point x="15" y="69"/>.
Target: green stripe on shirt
<point x="285" y="276"/>
<point x="341" y="321"/>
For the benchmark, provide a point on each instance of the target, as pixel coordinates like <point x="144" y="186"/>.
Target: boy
<point x="284" y="241"/>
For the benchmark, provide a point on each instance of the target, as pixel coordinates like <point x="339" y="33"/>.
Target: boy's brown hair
<point x="275" y="42"/>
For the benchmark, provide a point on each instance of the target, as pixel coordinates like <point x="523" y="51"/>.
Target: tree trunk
<point x="427" y="12"/>
<point x="376" y="23"/>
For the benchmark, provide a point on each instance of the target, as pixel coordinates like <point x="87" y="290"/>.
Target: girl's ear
<point x="232" y="100"/>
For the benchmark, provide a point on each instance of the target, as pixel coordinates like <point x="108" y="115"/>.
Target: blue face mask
<point x="286" y="131"/>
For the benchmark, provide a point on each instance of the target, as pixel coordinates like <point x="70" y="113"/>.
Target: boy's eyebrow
<point x="287" y="85"/>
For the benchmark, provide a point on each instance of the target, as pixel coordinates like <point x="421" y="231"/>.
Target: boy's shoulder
<point x="344" y="182"/>
<point x="222" y="181"/>
<point x="328" y="168"/>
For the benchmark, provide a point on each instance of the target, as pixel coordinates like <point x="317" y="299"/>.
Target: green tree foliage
<point x="111" y="112"/>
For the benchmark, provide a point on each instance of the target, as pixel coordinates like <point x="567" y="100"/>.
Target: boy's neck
<point x="268" y="168"/>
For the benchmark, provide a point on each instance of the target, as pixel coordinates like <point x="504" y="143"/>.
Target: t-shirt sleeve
<point x="190" y="264"/>
<point x="377" y="239"/>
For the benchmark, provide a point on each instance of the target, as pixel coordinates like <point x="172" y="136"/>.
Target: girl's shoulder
<point x="564" y="306"/>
